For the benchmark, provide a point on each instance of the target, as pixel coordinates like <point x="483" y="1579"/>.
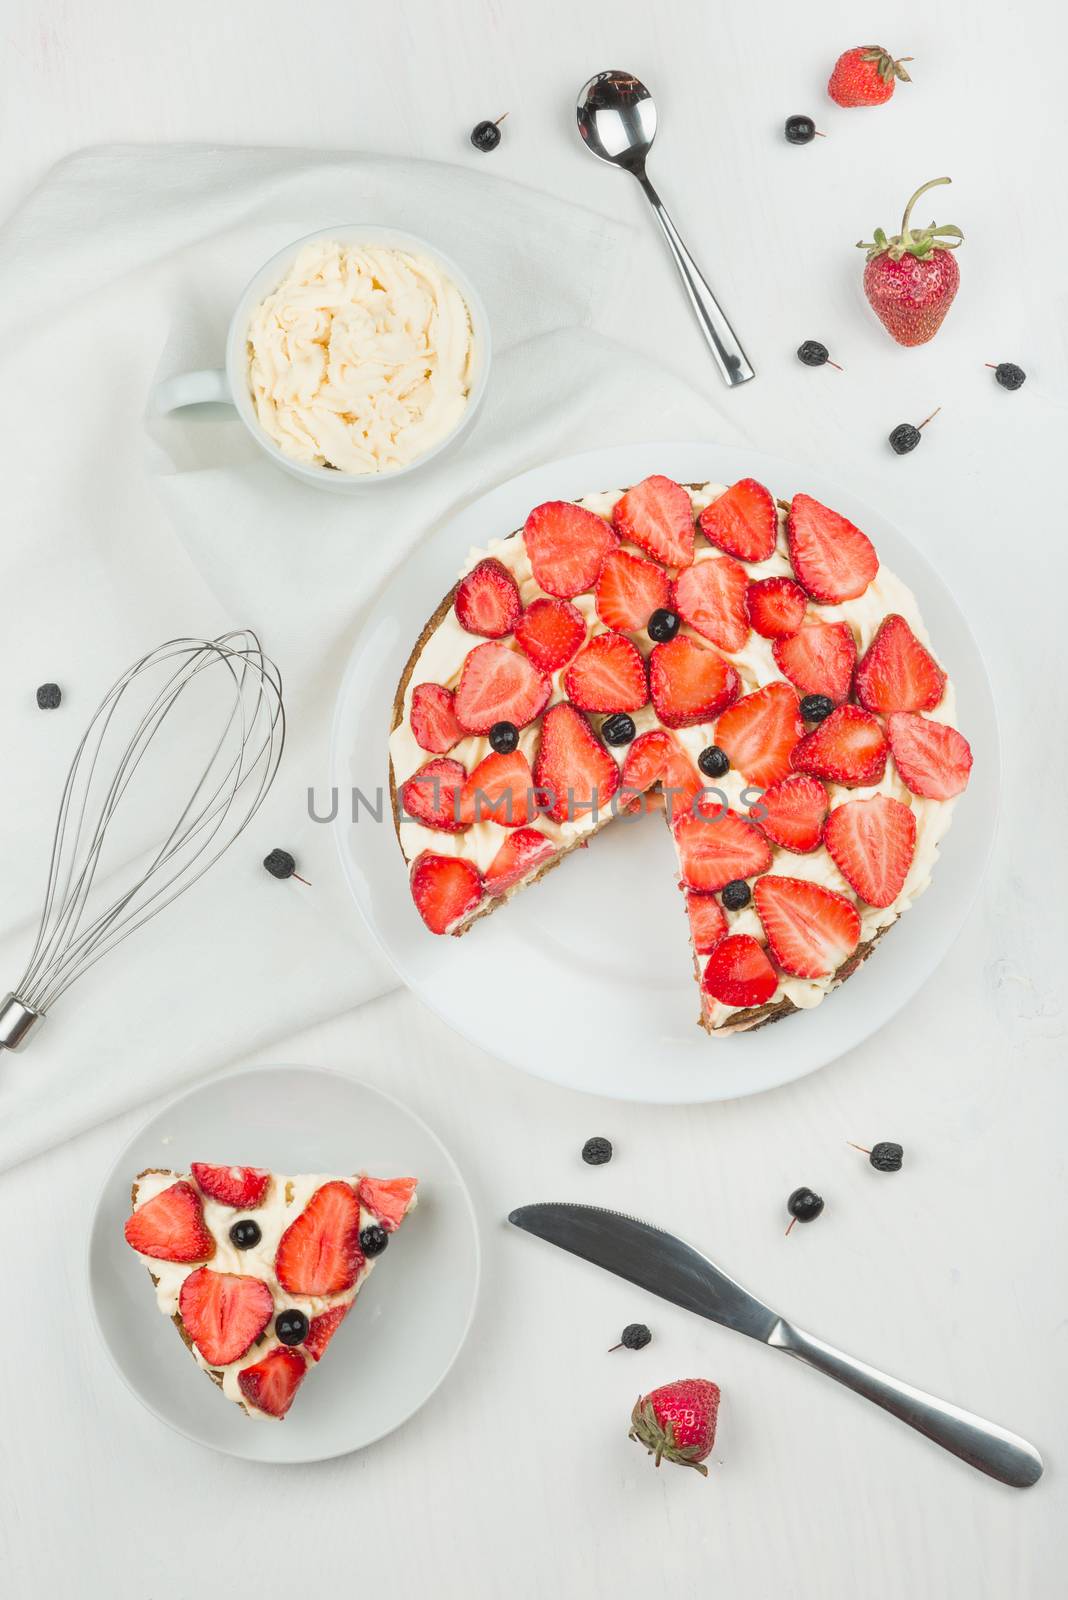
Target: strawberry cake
<point x="744" y="664"/>
<point x="258" y="1270"/>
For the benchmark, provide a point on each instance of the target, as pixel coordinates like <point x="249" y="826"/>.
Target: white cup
<point x="229" y="385"/>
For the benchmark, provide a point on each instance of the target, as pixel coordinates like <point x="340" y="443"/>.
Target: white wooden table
<point x="517" y="1479"/>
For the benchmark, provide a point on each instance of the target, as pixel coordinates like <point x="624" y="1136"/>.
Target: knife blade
<point x="651" y="1258"/>
<point x="656" y="1260"/>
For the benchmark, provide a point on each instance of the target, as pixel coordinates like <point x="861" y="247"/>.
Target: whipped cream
<point x="442" y="658"/>
<point x="286" y="1199"/>
<point x="361" y="358"/>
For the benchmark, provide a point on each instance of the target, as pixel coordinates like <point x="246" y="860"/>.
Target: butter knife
<point x="664" y="1265"/>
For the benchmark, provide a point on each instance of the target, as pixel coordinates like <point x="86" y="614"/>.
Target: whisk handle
<point x="17" y="1022"/>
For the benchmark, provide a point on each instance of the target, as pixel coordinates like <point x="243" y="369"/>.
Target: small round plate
<point x="588" y="979"/>
<point x="410" y="1319"/>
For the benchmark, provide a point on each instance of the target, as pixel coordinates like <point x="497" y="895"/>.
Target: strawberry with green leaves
<point x="910" y="280"/>
<point x="866" y="76"/>
<point x="677" y="1422"/>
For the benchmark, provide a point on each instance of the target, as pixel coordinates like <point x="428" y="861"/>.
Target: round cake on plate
<point x="744" y="665"/>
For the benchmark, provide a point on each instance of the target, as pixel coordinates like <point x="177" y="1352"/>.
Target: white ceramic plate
<point x="587" y="978"/>
<point x="410" y="1319"/>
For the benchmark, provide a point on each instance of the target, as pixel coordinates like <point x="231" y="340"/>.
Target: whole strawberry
<point x="677" y="1422"/>
<point x="910" y="280"/>
<point x="866" y="76"/>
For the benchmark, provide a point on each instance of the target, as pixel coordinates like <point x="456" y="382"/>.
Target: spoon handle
<point x="729" y="356"/>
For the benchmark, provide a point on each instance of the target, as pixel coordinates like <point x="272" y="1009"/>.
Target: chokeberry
<point x="804" y="1206"/>
<point x="814" y="354"/>
<point x="595" y="1152"/>
<point x="280" y="864"/>
<point x="1008" y="374"/>
<point x="504" y="736"/>
<point x="635" y="1336"/>
<point x="815" y="707"/>
<point x="713" y="761"/>
<point x="664" y="625"/>
<point x="618" y="729"/>
<point x="884" y="1156"/>
<point x="373" y="1239"/>
<point x="245" y="1235"/>
<point x="291" y="1326"/>
<point x="48" y="696"/>
<point x="486" y="136"/>
<point x="905" y="437"/>
<point x="799" y="129"/>
<point x="736" y="894"/>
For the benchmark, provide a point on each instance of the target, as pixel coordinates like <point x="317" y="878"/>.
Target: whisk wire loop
<point x="228" y="789"/>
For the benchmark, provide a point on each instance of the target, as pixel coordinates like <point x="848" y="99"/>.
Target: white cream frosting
<point x="442" y="657"/>
<point x="285" y="1200"/>
<point x="361" y="358"/>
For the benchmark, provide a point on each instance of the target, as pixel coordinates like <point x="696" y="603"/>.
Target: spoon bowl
<point x="616" y="118"/>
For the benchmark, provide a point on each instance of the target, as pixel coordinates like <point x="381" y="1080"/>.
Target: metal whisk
<point x="223" y="694"/>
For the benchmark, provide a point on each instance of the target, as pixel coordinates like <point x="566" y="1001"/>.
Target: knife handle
<point x="984" y="1445"/>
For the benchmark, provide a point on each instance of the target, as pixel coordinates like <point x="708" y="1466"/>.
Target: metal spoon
<point x="617" y="122"/>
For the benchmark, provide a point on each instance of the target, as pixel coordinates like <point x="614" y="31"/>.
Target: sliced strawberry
<point x="739" y="973"/>
<point x="872" y="843"/>
<point x="240" y="1187"/>
<point x="819" y="658"/>
<point x="319" y="1253"/>
<point x="831" y="558"/>
<point x="629" y="590"/>
<point x="567" y="546"/>
<point x="487" y="600"/>
<point x="608" y="674"/>
<point x="658" y="757"/>
<point x="776" y="606"/>
<point x="759" y="733"/>
<point x="520" y="853"/>
<point x="657" y="516"/>
<point x="708" y="921"/>
<point x="743" y="521"/>
<point x="550" y="631"/>
<point x="432" y="795"/>
<point x="811" y="930"/>
<point x="446" y="889"/>
<point x="224" y="1313"/>
<point x="897" y="673"/>
<point x="388" y="1199"/>
<point x="690" y="683"/>
<point x="573" y="771"/>
<point x="792" y="813"/>
<point x="710" y="596"/>
<point x="434" y="724"/>
<point x="933" y="759"/>
<point x="499" y="685"/>
<point x="850" y="748"/>
<point x="499" y="790"/>
<point x="321" y="1330"/>
<point x="713" y="852"/>
<point x="170" y="1227"/>
<point x="271" y="1384"/>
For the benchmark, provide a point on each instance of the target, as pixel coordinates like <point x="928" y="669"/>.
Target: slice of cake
<point x="258" y="1270"/>
<point x="746" y="662"/>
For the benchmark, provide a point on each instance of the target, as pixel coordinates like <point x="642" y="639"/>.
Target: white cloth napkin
<point x="122" y="268"/>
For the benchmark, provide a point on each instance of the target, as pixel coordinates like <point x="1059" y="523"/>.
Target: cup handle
<point x="208" y="385"/>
